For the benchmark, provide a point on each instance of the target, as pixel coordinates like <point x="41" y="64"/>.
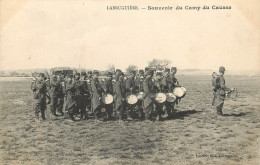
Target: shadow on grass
<point x="235" y="115"/>
<point x="182" y="114"/>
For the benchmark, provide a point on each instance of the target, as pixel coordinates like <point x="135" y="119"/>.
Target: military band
<point x="84" y="95"/>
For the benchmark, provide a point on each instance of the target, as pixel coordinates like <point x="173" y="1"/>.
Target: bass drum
<point x="140" y="95"/>
<point x="170" y="97"/>
<point x="178" y="91"/>
<point x="107" y="98"/>
<point x="160" y="97"/>
<point x="131" y="99"/>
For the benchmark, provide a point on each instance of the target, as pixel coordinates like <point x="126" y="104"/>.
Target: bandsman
<point x="149" y="95"/>
<point x="96" y="95"/>
<point x="119" y="96"/>
<point x="130" y="89"/>
<point x="220" y="91"/>
<point x="109" y="90"/>
<point x="55" y="91"/>
<point x="40" y="90"/>
<point x="70" y="105"/>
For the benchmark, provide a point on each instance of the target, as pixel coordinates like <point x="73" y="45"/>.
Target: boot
<point x="120" y="119"/>
<point x="219" y="111"/>
<point x="128" y="116"/>
<point x="37" y="115"/>
<point x="43" y="115"/>
<point x="71" y="117"/>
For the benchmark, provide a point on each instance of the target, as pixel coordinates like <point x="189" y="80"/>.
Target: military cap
<point x="167" y="70"/>
<point x="141" y="71"/>
<point x="41" y="75"/>
<point x="118" y="70"/>
<point x="83" y="73"/>
<point x="133" y="72"/>
<point x="89" y="72"/>
<point x="173" y="69"/>
<point x="150" y="72"/>
<point x="109" y="74"/>
<point x="95" y="72"/>
<point x="222" y="69"/>
<point x="159" y="73"/>
<point x="146" y="69"/>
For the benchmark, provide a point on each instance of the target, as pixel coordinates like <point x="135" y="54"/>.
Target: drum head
<point x="184" y="89"/>
<point x="170" y="97"/>
<point x="131" y="99"/>
<point x="140" y="95"/>
<point x="178" y="92"/>
<point x="160" y="97"/>
<point x="107" y="99"/>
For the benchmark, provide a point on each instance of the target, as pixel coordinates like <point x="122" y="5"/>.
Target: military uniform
<point x="139" y="87"/>
<point x="220" y="92"/>
<point x="80" y="87"/>
<point x="40" y="90"/>
<point x="55" y="91"/>
<point x="149" y="94"/>
<point x="70" y="98"/>
<point x="88" y="99"/>
<point x="119" y="96"/>
<point x="130" y="89"/>
<point x="96" y="96"/>
<point x="109" y="90"/>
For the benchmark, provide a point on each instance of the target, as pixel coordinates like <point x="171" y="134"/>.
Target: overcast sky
<point x="44" y="34"/>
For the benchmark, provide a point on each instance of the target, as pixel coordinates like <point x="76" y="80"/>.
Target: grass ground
<point x="195" y="136"/>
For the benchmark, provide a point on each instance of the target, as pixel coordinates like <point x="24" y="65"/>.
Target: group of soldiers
<point x="80" y="95"/>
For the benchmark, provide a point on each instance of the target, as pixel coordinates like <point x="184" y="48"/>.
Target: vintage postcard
<point x="130" y="82"/>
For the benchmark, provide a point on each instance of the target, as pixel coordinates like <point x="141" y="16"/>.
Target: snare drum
<point x="107" y="98"/>
<point x="160" y="97"/>
<point x="170" y="97"/>
<point x="131" y="99"/>
<point x="178" y="91"/>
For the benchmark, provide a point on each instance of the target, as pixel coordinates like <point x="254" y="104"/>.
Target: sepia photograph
<point x="138" y="82"/>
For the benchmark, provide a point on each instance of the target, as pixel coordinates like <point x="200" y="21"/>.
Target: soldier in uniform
<point x="40" y="90"/>
<point x="80" y="87"/>
<point x="55" y="89"/>
<point x="109" y="90"/>
<point x="96" y="95"/>
<point x="220" y="91"/>
<point x="70" y="98"/>
<point x="119" y="96"/>
<point x="149" y="94"/>
<point x="130" y="89"/>
<point x="61" y="94"/>
<point x="88" y="102"/>
<point x="161" y="86"/>
<point x="139" y="85"/>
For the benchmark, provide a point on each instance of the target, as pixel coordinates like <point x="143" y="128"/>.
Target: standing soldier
<point x="40" y="90"/>
<point x="149" y="91"/>
<point x="96" y="94"/>
<point x="79" y="95"/>
<point x="119" y="96"/>
<point x="88" y="102"/>
<point x="109" y="90"/>
<point x="130" y="89"/>
<point x="54" y="92"/>
<point x="139" y="84"/>
<point x="70" y="98"/>
<point x="61" y="94"/>
<point x="220" y="91"/>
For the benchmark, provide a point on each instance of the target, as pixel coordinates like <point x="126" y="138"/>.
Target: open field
<point x="195" y="136"/>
